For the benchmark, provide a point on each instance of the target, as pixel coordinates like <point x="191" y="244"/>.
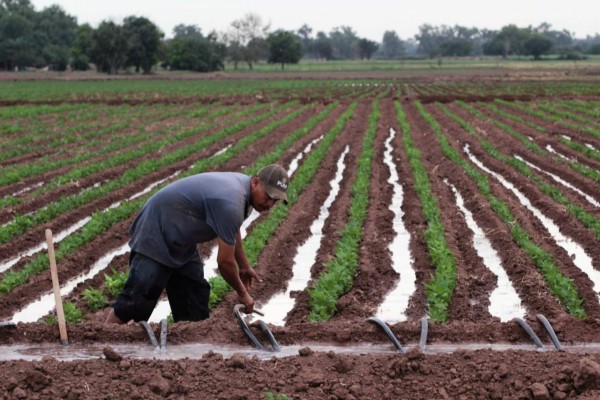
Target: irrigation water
<point x="393" y="308"/>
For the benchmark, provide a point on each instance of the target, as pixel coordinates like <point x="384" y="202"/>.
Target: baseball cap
<point x="275" y="181"/>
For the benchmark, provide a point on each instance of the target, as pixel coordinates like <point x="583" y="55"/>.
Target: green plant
<point x="73" y="314"/>
<point x="274" y="396"/>
<point x="115" y="282"/>
<point x="95" y="299"/>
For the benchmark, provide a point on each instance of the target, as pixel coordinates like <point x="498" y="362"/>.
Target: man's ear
<point x="255" y="181"/>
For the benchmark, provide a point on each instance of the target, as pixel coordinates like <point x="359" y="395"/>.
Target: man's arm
<point x="247" y="273"/>
<point x="226" y="259"/>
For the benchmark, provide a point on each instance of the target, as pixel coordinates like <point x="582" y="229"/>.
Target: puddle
<point x="296" y="160"/>
<point x="195" y="351"/>
<point x="504" y="300"/>
<point x="393" y="307"/>
<point x="550" y="149"/>
<point x="277" y="308"/>
<point x="575" y="251"/>
<point x="589" y="198"/>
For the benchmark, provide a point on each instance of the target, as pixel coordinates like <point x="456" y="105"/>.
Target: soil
<point x="523" y="373"/>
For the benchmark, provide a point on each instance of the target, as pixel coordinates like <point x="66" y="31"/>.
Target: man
<point x="164" y="236"/>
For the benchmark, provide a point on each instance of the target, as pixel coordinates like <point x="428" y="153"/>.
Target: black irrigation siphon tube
<point x="548" y="327"/>
<point x="151" y="335"/>
<point x="163" y="335"/>
<point x="530" y="332"/>
<point x="244" y="326"/>
<point x="424" y="330"/>
<point x="265" y="329"/>
<point x="387" y="331"/>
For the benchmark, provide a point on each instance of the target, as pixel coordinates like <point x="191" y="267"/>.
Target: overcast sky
<point x="369" y="18"/>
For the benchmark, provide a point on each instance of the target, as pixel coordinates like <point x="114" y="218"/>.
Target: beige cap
<point x="275" y="181"/>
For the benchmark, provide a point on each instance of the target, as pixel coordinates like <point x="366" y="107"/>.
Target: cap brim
<point x="276" y="194"/>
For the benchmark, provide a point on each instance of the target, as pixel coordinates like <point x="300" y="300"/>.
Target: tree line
<point x="52" y="39"/>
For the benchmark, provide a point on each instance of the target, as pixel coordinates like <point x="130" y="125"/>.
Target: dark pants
<point x="187" y="290"/>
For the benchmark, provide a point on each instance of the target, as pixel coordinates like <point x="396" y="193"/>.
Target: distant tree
<point x="323" y="47"/>
<point x="392" y="46"/>
<point x="34" y="39"/>
<point x="187" y="32"/>
<point x="366" y="48"/>
<point x="242" y="32"/>
<point x="284" y="48"/>
<point x="82" y="49"/>
<point x="429" y="38"/>
<point x="537" y="45"/>
<point x="17" y="44"/>
<point x="594" y="49"/>
<point x="456" y="48"/>
<point x="304" y="33"/>
<point x="510" y="40"/>
<point x="143" y="42"/>
<point x="189" y="52"/>
<point x="344" y="42"/>
<point x="446" y="40"/>
<point x="109" y="50"/>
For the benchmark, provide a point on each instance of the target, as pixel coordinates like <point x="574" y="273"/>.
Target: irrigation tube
<point x="244" y="326"/>
<point x="548" y="327"/>
<point x="530" y="332"/>
<point x="387" y="331"/>
<point x="424" y="330"/>
<point x="163" y="335"/>
<point x="265" y="329"/>
<point x="151" y="335"/>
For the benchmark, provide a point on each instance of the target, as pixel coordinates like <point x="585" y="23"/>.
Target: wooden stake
<point x="62" y="326"/>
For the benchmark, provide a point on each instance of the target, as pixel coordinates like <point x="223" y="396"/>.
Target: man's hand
<point x="248" y="276"/>
<point x="248" y="301"/>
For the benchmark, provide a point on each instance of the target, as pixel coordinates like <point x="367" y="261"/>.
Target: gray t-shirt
<point x="189" y="211"/>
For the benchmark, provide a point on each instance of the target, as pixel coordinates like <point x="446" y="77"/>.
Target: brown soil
<point x="481" y="374"/>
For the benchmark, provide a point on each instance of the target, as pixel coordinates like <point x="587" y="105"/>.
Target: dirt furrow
<point x="525" y="218"/>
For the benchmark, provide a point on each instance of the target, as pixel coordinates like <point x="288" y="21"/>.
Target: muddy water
<point x="198" y="350"/>
<point x="589" y="198"/>
<point x="580" y="258"/>
<point x="277" y="308"/>
<point x="504" y="300"/>
<point x="393" y="308"/>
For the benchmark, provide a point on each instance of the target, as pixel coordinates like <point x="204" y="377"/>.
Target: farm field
<point x="466" y="205"/>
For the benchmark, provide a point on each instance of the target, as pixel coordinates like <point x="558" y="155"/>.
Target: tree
<point x="17" y="46"/>
<point x="392" y="47"/>
<point x="537" y="45"/>
<point x="109" y="50"/>
<point x="82" y="49"/>
<point x="366" y="48"/>
<point x="323" y="46"/>
<point x="189" y="50"/>
<point x="284" y="48"/>
<point x="242" y="32"/>
<point x="510" y="40"/>
<point x="188" y="31"/>
<point x="55" y="32"/>
<point x="304" y="33"/>
<point x="456" y="48"/>
<point x="594" y="49"/>
<point x="143" y="42"/>
<point x="344" y="42"/>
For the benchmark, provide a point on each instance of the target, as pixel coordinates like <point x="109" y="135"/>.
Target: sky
<point x="368" y="19"/>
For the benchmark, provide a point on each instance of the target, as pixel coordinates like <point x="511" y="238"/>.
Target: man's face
<point x="259" y="198"/>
